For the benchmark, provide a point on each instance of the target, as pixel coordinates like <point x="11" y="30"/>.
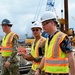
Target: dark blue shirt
<point x="65" y="44"/>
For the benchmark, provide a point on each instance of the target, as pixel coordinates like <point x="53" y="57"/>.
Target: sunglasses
<point x="35" y="30"/>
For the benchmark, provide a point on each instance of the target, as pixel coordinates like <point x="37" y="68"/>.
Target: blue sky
<point x="22" y="12"/>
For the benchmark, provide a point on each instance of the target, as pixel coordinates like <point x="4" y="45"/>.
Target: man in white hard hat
<point x="37" y="50"/>
<point x="58" y="58"/>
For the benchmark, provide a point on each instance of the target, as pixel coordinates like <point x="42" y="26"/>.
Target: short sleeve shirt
<point x="65" y="44"/>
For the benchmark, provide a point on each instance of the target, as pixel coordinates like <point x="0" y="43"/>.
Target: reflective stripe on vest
<point x="6" y="52"/>
<point x="7" y="45"/>
<point x="56" y="62"/>
<point x="35" y="53"/>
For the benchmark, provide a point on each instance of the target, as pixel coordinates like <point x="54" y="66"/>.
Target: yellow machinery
<point x="73" y="41"/>
<point x="29" y="42"/>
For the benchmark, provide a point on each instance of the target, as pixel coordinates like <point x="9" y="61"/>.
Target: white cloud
<point x="22" y="12"/>
<point x="72" y="6"/>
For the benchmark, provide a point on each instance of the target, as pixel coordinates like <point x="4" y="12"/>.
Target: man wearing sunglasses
<point x="10" y="64"/>
<point x="37" y="50"/>
<point x="58" y="58"/>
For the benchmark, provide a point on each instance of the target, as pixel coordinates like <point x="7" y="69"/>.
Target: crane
<point x="49" y="7"/>
<point x="38" y="11"/>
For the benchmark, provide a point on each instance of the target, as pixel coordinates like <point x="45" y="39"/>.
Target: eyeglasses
<point x="35" y="30"/>
<point x="45" y="23"/>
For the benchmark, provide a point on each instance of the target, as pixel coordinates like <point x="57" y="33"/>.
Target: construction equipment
<point x="29" y="41"/>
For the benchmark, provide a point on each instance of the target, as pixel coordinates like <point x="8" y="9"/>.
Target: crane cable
<point x="54" y="10"/>
<point x="38" y="10"/>
<point x="56" y="13"/>
<point x="73" y="18"/>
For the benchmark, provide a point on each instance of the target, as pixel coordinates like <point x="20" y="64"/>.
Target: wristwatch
<point x="38" y="69"/>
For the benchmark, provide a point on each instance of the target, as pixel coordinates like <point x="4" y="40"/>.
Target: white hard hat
<point x="36" y="25"/>
<point x="47" y="16"/>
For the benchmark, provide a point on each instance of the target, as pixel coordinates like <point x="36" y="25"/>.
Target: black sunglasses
<point x="35" y="30"/>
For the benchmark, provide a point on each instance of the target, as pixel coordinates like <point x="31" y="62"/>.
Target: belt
<point x="56" y="74"/>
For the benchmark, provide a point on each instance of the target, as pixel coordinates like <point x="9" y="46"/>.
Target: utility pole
<point x="66" y="15"/>
<point x="64" y="22"/>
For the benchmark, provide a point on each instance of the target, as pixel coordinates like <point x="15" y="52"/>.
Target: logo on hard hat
<point x="7" y="22"/>
<point x="4" y="22"/>
<point x="35" y="24"/>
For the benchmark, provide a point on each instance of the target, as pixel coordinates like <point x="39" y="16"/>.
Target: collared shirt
<point x="65" y="44"/>
<point x="51" y="36"/>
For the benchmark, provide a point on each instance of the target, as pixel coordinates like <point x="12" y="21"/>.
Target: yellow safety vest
<point x="7" y="44"/>
<point x="55" y="58"/>
<point x="34" y="52"/>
